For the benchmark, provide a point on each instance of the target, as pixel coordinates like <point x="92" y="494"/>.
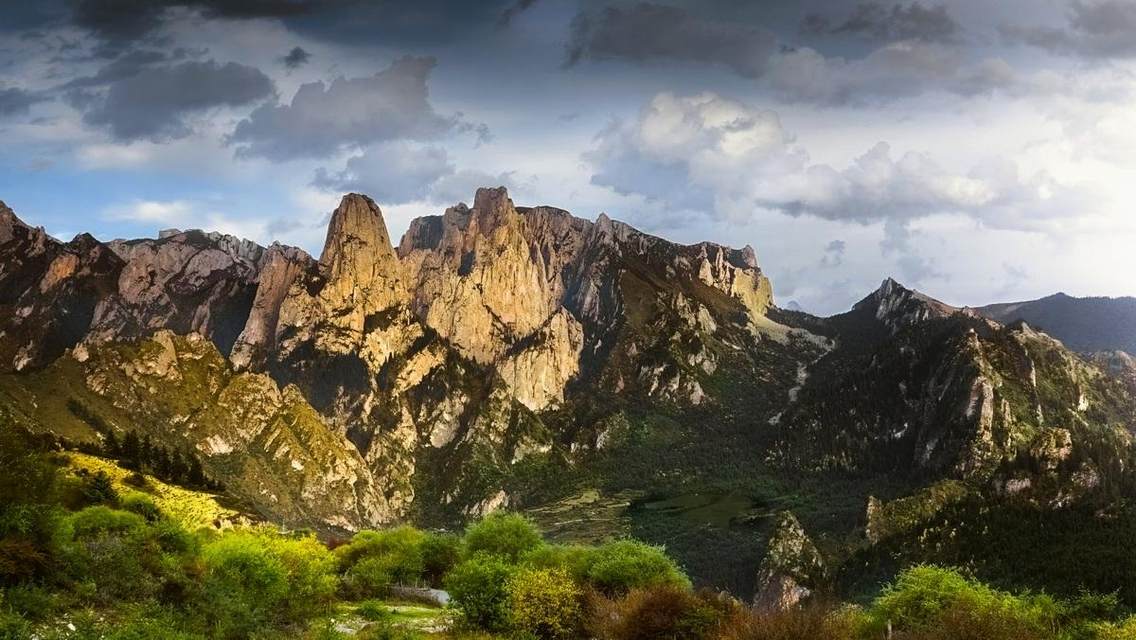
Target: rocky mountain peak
<point x="11" y="226"/>
<point x="492" y="208"/>
<point x="791" y="569"/>
<point x="358" y="258"/>
<point x="748" y="257"/>
<point x="356" y="229"/>
<point x="361" y="273"/>
<point x="897" y="306"/>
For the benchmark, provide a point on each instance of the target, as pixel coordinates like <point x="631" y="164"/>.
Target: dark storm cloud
<point x="349" y="112"/>
<point x="30" y="17"/>
<point x="888" y="23"/>
<point x="296" y="58"/>
<point x="154" y="102"/>
<point x="647" y="31"/>
<point x="513" y="10"/>
<point x="132" y="19"/>
<point x="119" y="22"/>
<point x="15" y="101"/>
<point x="126" y="66"/>
<point x="1102" y="29"/>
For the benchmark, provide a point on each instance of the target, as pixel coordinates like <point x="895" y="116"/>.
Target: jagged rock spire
<point x="362" y="269"/>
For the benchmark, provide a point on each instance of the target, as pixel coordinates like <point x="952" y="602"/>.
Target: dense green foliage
<point x="80" y="558"/>
<point x="502" y="534"/>
<point x="477" y="586"/>
<point x="544" y="603"/>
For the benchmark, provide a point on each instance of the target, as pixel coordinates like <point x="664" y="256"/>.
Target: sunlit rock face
<point x="451" y="347"/>
<point x="269" y="447"/>
<point x="483" y="279"/>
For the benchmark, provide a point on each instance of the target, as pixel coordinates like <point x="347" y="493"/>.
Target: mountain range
<point x="1087" y="325"/>
<point x="603" y="380"/>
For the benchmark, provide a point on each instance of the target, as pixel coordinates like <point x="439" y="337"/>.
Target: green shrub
<point x="396" y="553"/>
<point x="14" y="627"/>
<point x="367" y="578"/>
<point x="257" y="578"/>
<point x="101" y="519"/>
<point x="146" y="623"/>
<point x="440" y="552"/>
<point x="324" y="630"/>
<point x="141" y="505"/>
<point x="930" y="599"/>
<point x="114" y="549"/>
<point x="310" y="570"/>
<point x="508" y="535"/>
<point x="573" y="558"/>
<point x="477" y="588"/>
<point x="244" y="584"/>
<point x="543" y="603"/>
<point x="31" y="601"/>
<point x="373" y="611"/>
<point x="617" y="567"/>
<point x="1125" y="630"/>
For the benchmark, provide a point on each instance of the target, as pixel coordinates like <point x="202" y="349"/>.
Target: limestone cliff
<point x="496" y="337"/>
<point x="486" y="283"/>
<point x="282" y="267"/>
<point x="186" y="282"/>
<point x="49" y="291"/>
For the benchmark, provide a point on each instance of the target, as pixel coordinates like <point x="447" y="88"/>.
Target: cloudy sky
<point x="977" y="151"/>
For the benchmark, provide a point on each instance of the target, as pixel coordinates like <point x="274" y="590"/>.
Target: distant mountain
<point x="1083" y="324"/>
<point x="604" y="380"/>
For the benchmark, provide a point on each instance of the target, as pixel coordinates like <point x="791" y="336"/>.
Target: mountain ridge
<point x="1085" y="324"/>
<point x="521" y="357"/>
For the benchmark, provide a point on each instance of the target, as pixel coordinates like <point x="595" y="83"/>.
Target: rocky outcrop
<point x="268" y="446"/>
<point x="792" y="568"/>
<point x="257" y="341"/>
<point x="186" y="282"/>
<point x="49" y="291"/>
<point x="897" y="306"/>
<point x="486" y="284"/>
<point x="538" y="370"/>
<point x="362" y="275"/>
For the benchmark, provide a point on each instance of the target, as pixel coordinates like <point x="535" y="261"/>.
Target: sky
<point x="977" y="151"/>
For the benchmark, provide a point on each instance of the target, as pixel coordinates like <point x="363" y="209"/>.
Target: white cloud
<point x="184" y="214"/>
<point x="151" y="211"/>
<point x="721" y="156"/>
<point x="390" y="172"/>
